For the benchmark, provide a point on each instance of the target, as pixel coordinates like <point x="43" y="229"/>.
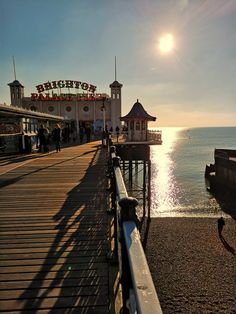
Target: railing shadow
<point x="144" y="231"/>
<point x="81" y="231"/>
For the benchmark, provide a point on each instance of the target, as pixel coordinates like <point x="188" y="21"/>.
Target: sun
<point x="166" y="43"/>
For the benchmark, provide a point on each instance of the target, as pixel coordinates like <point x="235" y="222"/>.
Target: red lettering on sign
<point x="34" y="96"/>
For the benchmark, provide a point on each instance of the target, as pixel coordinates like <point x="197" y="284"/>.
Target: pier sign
<point x="88" y="91"/>
<point x="66" y="84"/>
<point x="67" y="97"/>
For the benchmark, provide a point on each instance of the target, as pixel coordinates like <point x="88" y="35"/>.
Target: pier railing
<point x="138" y="291"/>
<point x="154" y="135"/>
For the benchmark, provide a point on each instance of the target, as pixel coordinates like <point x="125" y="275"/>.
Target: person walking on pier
<point x="81" y="134"/>
<point x="220" y="223"/>
<point x="117" y="133"/>
<point x="56" y="137"/>
<point x="88" y="133"/>
<point x="41" y="135"/>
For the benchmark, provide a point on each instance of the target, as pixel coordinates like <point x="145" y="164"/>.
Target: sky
<point x="193" y="85"/>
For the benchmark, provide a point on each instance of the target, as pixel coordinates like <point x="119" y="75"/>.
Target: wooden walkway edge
<point x="54" y="233"/>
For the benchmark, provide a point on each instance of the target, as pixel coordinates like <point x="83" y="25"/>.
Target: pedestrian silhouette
<point x="117" y="133"/>
<point x="220" y="223"/>
<point x="88" y="133"/>
<point x="42" y="138"/>
<point x="81" y="134"/>
<point x="56" y="137"/>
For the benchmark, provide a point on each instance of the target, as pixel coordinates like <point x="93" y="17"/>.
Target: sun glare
<point x="166" y="43"/>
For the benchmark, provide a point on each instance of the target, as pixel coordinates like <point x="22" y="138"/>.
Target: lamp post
<point x="103" y="108"/>
<point x="104" y="114"/>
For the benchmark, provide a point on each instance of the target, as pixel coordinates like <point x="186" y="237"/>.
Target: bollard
<point x="103" y="139"/>
<point x="128" y="209"/>
<point x="109" y="162"/>
<point x="116" y="161"/>
<point x="112" y="149"/>
<point x="110" y="141"/>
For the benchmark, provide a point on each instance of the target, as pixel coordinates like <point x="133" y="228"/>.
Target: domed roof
<point x="15" y="83"/>
<point x="138" y="112"/>
<point x="116" y="84"/>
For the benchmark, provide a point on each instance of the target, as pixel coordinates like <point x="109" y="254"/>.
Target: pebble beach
<point x="193" y="269"/>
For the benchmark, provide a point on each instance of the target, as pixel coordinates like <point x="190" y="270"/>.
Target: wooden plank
<point x="35" y="242"/>
<point x="82" y="310"/>
<point x="54" y="303"/>
<point x="51" y="291"/>
<point x="42" y="249"/>
<point x="75" y="269"/>
<point x="78" y="278"/>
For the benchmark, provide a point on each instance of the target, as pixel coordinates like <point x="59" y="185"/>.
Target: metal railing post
<point x="138" y="291"/>
<point x="113" y="254"/>
<point x="127" y="213"/>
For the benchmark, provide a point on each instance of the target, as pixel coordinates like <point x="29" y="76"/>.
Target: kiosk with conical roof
<point x="137" y="125"/>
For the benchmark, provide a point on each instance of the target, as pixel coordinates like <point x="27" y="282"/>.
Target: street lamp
<point x="103" y="108"/>
<point x="103" y="114"/>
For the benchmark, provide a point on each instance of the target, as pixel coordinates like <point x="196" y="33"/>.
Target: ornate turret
<point x="17" y="93"/>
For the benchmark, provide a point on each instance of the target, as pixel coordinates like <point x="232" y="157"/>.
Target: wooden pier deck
<point x="54" y="232"/>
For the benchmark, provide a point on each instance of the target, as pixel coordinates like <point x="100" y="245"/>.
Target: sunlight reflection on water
<point x="177" y="189"/>
<point x="163" y="187"/>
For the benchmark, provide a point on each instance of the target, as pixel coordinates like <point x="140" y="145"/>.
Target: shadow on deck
<point x="54" y="234"/>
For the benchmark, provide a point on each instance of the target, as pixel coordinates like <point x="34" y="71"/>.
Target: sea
<point x="178" y="186"/>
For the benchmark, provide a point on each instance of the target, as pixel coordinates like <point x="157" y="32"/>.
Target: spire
<point x="115" y="83"/>
<point x="115" y="68"/>
<point x="14" y="67"/>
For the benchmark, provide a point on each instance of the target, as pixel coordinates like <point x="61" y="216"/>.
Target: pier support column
<point x="130" y="174"/>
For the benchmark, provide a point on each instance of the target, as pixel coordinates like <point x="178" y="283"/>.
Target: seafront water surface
<point x="178" y="187"/>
